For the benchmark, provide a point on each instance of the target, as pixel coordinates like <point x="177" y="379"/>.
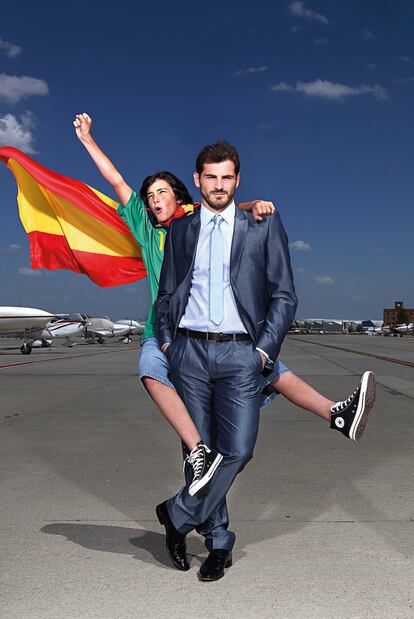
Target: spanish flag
<point x="72" y="226"/>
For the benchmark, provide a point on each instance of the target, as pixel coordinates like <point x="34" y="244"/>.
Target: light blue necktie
<point x="216" y="272"/>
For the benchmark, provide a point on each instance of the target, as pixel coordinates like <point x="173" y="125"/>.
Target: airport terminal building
<point x="392" y="317"/>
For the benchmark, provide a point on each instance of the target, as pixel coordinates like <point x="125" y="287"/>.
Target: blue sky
<point x="317" y="96"/>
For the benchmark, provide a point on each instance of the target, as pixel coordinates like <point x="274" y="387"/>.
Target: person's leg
<point x="153" y="371"/>
<point x="303" y="395"/>
<point x="226" y="406"/>
<point x="172" y="407"/>
<point x="349" y="416"/>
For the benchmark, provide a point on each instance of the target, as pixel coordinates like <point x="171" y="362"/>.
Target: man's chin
<point x="219" y="204"/>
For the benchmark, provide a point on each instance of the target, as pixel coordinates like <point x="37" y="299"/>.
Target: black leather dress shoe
<point x="213" y="567"/>
<point x="174" y="541"/>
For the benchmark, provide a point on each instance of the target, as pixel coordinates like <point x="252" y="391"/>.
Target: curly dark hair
<point x="180" y="190"/>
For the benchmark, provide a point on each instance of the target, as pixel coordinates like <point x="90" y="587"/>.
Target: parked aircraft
<point x="98" y="329"/>
<point x="135" y="327"/>
<point x="402" y="329"/>
<point x="26" y="323"/>
<point x="38" y="328"/>
<point x="71" y="326"/>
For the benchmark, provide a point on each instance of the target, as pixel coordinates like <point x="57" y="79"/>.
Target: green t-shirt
<point x="151" y="241"/>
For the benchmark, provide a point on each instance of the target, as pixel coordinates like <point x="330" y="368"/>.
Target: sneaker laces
<point x="196" y="459"/>
<point x="339" y="406"/>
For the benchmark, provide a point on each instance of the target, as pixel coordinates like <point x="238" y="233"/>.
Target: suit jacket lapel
<point x="190" y="244"/>
<point x="241" y="226"/>
<point x="190" y="239"/>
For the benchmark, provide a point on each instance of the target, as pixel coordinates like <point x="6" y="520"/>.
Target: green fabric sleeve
<point x="136" y="217"/>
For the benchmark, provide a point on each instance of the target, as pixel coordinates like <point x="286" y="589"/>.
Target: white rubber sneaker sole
<point x="196" y="486"/>
<point x="366" y="402"/>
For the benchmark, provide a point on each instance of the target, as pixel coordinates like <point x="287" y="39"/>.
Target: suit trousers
<point x="219" y="382"/>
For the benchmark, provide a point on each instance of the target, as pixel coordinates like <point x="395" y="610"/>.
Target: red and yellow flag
<point x="72" y="226"/>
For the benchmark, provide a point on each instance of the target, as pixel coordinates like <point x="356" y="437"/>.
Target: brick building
<point x="391" y="315"/>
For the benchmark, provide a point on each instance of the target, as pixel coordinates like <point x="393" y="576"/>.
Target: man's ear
<point x="196" y="178"/>
<point x="238" y="180"/>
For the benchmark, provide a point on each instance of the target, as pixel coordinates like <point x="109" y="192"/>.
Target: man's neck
<point x="216" y="211"/>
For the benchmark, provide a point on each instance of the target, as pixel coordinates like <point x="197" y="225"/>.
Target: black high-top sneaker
<point x="204" y="462"/>
<point x="351" y="416"/>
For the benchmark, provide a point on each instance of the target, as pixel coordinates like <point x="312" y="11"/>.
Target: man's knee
<point x="241" y="457"/>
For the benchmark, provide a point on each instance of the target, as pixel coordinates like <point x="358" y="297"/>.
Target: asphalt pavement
<point x="324" y="525"/>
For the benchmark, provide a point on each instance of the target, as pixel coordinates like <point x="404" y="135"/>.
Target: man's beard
<point x="227" y="198"/>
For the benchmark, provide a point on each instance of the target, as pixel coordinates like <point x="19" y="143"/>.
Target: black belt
<point x="215" y="337"/>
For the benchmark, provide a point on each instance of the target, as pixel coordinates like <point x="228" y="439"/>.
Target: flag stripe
<point x="51" y="251"/>
<point x="73" y="226"/>
<point x="76" y="192"/>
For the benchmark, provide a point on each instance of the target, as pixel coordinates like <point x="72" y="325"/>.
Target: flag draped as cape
<point x="71" y="225"/>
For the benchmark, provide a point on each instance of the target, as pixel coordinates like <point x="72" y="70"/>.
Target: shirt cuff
<point x="265" y="354"/>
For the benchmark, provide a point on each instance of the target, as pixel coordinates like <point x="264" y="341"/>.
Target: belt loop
<point x="234" y="337"/>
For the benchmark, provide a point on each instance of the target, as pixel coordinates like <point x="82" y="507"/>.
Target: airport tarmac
<point x="324" y="525"/>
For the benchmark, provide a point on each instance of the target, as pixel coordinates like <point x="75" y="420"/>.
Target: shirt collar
<point x="228" y="214"/>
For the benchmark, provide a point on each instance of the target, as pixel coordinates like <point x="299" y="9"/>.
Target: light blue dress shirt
<point x="196" y="315"/>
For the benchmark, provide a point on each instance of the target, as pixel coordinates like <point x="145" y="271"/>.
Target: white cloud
<point x="29" y="272"/>
<point x="367" y="34"/>
<point x="13" y="248"/>
<point x="10" y="49"/>
<point x="300" y="245"/>
<point x="324" y="280"/>
<point x="18" y="133"/>
<point x="250" y="70"/>
<point x="371" y="65"/>
<point x="323" y="89"/>
<point x="321" y="41"/>
<point x="13" y="88"/>
<point x="300" y="270"/>
<point x="297" y="9"/>
<point x="282" y="87"/>
<point x="330" y="90"/>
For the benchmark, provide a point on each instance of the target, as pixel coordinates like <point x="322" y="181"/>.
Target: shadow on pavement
<point x="146" y="546"/>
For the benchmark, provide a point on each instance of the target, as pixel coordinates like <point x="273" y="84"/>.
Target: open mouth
<point x="158" y="210"/>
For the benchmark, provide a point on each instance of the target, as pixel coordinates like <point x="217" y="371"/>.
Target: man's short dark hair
<point x="216" y="153"/>
<point x="180" y="190"/>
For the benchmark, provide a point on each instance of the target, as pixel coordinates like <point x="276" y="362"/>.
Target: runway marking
<point x="359" y="352"/>
<point x="91" y="354"/>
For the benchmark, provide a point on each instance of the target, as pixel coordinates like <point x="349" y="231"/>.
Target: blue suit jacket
<point x="260" y="275"/>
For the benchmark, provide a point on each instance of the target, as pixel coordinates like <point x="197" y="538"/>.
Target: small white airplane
<point x="68" y="326"/>
<point x="97" y="329"/>
<point x="401" y="329"/>
<point x="26" y="323"/>
<point x="135" y="327"/>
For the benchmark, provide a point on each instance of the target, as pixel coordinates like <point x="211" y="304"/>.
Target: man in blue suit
<point x="226" y="300"/>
